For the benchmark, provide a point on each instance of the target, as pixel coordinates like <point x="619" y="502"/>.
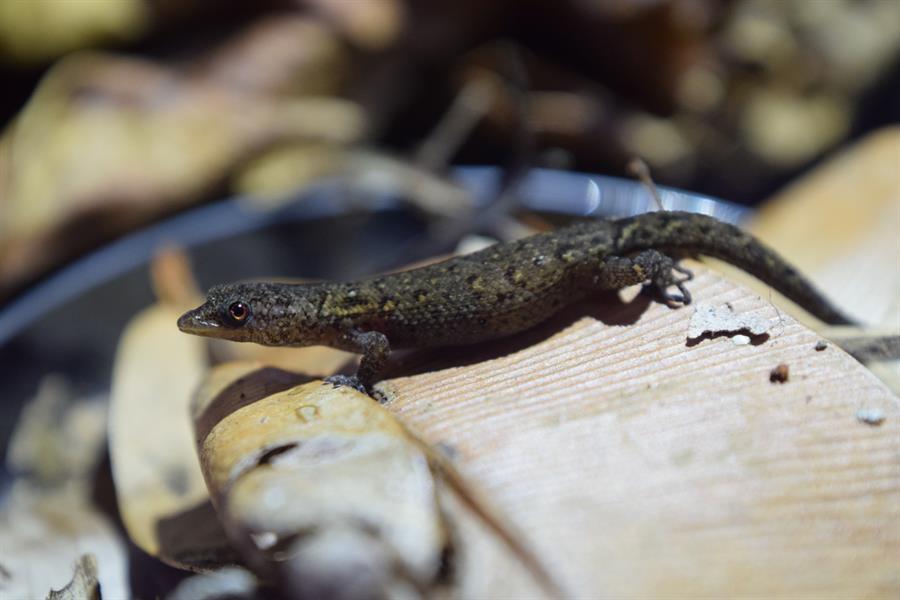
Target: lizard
<point x="498" y="291"/>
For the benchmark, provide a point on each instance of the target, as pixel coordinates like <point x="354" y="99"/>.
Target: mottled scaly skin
<point x="498" y="291"/>
<point x="681" y="234"/>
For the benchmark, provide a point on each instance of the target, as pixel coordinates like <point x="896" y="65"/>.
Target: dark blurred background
<point x="119" y="113"/>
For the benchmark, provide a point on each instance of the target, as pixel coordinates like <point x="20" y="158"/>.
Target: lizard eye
<point x="238" y="312"/>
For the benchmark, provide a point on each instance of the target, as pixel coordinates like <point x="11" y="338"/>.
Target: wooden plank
<point x="642" y="466"/>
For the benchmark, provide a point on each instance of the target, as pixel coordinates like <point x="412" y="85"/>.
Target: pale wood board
<point x="640" y="467"/>
<point x="840" y="225"/>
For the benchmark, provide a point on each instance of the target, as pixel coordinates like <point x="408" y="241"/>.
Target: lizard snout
<point x="194" y="321"/>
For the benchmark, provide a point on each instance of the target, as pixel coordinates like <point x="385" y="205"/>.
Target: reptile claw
<point x="688" y="274"/>
<point x="350" y="381"/>
<point x="666" y="280"/>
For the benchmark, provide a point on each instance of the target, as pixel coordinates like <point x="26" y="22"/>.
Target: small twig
<point x="172" y="278"/>
<point x="777" y="312"/>
<point x="866" y="349"/>
<point x="522" y="146"/>
<point x="435" y="153"/>
<point x="522" y="143"/>
<point x="638" y="168"/>
<point x="468" y="108"/>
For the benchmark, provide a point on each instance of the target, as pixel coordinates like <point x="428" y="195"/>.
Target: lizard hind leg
<point x="653" y="266"/>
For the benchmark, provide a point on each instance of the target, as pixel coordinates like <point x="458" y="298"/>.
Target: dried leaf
<point x="38" y="30"/>
<point x="48" y="519"/>
<point x="117" y="141"/>
<point x="231" y="583"/>
<point x="84" y="584"/>
<point x="58" y="438"/>
<point x="162" y="496"/>
<point x="325" y="491"/>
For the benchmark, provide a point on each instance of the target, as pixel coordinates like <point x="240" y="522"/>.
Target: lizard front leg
<point x="659" y="269"/>
<point x="375" y="350"/>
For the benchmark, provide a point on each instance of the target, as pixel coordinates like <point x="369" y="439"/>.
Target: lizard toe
<point x="350" y="381"/>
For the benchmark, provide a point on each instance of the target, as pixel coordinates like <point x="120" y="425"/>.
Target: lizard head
<point x="248" y="312"/>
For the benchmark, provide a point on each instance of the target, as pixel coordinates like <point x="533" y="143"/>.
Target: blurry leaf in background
<point x="372" y="25"/>
<point x="789" y="130"/>
<point x="728" y="99"/>
<point x="37" y="30"/>
<point x="115" y="141"/>
<point x="799" y="68"/>
<point x="281" y="54"/>
<point x="233" y="583"/>
<point x="278" y="172"/>
<point x="275" y="176"/>
<point x="840" y="44"/>
<point x="725" y="98"/>
<point x="58" y="438"/>
<point x="84" y="584"/>
<point x="660" y="141"/>
<point x="159" y="486"/>
<point x="48" y="518"/>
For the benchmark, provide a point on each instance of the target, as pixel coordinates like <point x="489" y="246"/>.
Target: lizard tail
<point x="690" y="233"/>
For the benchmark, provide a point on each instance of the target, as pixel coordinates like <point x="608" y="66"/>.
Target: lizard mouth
<point x="193" y="321"/>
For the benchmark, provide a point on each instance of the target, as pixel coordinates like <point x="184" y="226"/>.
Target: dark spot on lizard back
<point x="562" y="250"/>
<point x="665" y="218"/>
<point x="354" y="299"/>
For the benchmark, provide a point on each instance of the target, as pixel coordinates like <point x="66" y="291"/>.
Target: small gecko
<point x="501" y="290"/>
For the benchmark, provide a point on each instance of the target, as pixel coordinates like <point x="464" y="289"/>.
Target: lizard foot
<point x="351" y="381"/>
<point x="665" y="279"/>
<point x="652" y="267"/>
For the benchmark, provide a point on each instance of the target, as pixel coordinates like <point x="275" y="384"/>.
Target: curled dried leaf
<point x="326" y="492"/>
<point x="84" y="584"/>
<point x="161" y="493"/>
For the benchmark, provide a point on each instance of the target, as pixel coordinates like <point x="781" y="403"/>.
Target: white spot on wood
<point x="870" y="416"/>
<point x="713" y="320"/>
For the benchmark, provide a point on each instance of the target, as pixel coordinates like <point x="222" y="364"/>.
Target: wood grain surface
<point x="841" y="225"/>
<point x="641" y="466"/>
<point x="644" y="466"/>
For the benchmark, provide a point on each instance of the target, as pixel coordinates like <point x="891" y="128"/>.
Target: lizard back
<point x="503" y="289"/>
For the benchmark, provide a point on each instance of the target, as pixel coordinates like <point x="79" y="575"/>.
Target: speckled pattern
<point x="498" y="291"/>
